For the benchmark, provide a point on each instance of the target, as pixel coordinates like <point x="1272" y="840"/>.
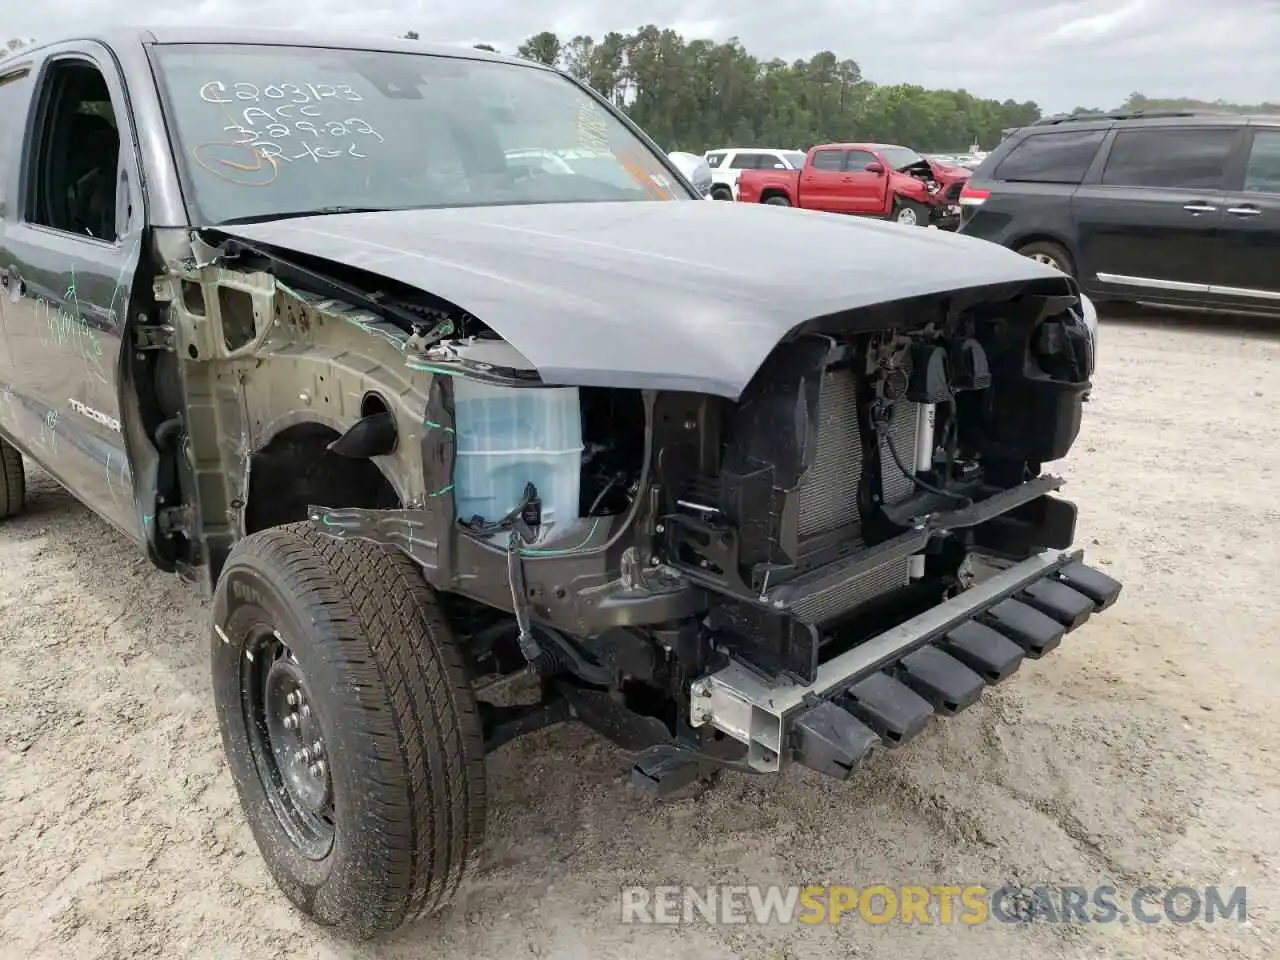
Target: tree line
<point x="699" y="94"/>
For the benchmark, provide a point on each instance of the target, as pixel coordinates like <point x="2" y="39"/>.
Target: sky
<point x="1059" y="53"/>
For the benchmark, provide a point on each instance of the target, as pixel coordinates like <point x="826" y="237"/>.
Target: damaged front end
<point x="941" y="186"/>
<point x="860" y="539"/>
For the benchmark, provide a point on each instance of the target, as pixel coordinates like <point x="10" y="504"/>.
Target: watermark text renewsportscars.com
<point x="936" y="904"/>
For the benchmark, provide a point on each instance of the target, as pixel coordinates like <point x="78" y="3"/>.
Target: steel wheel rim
<point x="1047" y="260"/>
<point x="288" y="744"/>
<point x="908" y="216"/>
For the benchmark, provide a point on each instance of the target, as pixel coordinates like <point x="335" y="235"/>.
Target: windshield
<point x="273" y="130"/>
<point x="900" y="157"/>
<point x="796" y="159"/>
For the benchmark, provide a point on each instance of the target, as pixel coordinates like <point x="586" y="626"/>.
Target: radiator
<point x="829" y="491"/>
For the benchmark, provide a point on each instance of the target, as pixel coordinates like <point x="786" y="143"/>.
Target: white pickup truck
<point x="727" y="165"/>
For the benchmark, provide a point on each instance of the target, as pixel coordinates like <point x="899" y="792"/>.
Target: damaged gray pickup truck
<point x="427" y="365"/>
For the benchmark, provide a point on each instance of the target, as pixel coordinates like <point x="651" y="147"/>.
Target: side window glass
<point x="1051" y="157"/>
<point x="15" y="94"/>
<point x="77" y="161"/>
<point x="744" y="161"/>
<point x="714" y="160"/>
<point x="1263" y="173"/>
<point x="1170" y="157"/>
<point x="828" y="160"/>
<point x="857" y="160"/>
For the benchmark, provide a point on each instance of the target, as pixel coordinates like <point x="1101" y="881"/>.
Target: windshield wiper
<point x="294" y="214"/>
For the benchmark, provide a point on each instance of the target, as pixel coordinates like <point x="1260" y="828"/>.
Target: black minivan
<point x="1176" y="209"/>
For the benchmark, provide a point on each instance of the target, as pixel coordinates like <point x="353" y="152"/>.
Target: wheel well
<point x="1021" y="242"/>
<point x="773" y="192"/>
<point x="297" y="470"/>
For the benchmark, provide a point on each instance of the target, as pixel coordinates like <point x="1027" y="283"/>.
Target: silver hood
<point x="670" y="296"/>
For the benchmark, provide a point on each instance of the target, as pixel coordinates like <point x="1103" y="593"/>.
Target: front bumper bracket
<point x="884" y="691"/>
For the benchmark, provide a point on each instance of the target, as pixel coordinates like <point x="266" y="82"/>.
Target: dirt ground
<point x="1145" y="751"/>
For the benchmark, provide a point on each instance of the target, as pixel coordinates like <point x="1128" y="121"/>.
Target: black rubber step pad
<point x="941" y="679"/>
<point x="1094" y="584"/>
<point x="893" y="710"/>
<point x="829" y="739"/>
<point x="1026" y="626"/>
<point x="986" y="651"/>
<point x="1055" y="599"/>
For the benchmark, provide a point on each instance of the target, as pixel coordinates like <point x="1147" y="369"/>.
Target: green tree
<point x="543" y="47"/>
<point x="698" y="94"/>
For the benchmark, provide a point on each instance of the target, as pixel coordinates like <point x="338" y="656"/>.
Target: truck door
<point x="16" y="85"/>
<point x="69" y="251"/>
<point x="864" y="192"/>
<point x="820" y="181"/>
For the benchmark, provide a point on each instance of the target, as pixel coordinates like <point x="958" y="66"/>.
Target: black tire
<point x="909" y="213"/>
<point x="721" y="193"/>
<point x="778" y="200"/>
<point x="1050" y="254"/>
<point x="386" y="698"/>
<point x="13" y="481"/>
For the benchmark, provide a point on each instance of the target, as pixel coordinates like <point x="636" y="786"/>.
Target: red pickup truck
<point x="867" y="179"/>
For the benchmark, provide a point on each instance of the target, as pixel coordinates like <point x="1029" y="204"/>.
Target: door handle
<point x="1199" y="208"/>
<point x="1249" y="211"/>
<point x="846" y="179"/>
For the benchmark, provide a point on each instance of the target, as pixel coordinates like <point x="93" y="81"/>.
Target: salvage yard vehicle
<point x="1173" y="208"/>
<point x="727" y="164"/>
<point x="736" y="487"/>
<point x="867" y="179"/>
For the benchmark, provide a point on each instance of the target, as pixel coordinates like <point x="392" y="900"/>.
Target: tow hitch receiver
<point x="885" y="690"/>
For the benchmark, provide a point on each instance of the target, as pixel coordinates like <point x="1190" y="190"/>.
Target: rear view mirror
<point x="875" y="166"/>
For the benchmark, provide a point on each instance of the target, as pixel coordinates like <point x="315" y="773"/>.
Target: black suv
<point x="1179" y="209"/>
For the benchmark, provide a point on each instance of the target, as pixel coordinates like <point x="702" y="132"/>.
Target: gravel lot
<point x="1144" y="751"/>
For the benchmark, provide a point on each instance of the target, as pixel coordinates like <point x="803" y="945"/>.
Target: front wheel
<point x="1050" y="254"/>
<point x="13" y="480"/>
<point x="350" y="727"/>
<point x="778" y="200"/>
<point x="721" y="193"/>
<point x="909" y="213"/>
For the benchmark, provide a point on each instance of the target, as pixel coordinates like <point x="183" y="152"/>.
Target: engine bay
<point x="617" y="543"/>
<point x="842" y="491"/>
